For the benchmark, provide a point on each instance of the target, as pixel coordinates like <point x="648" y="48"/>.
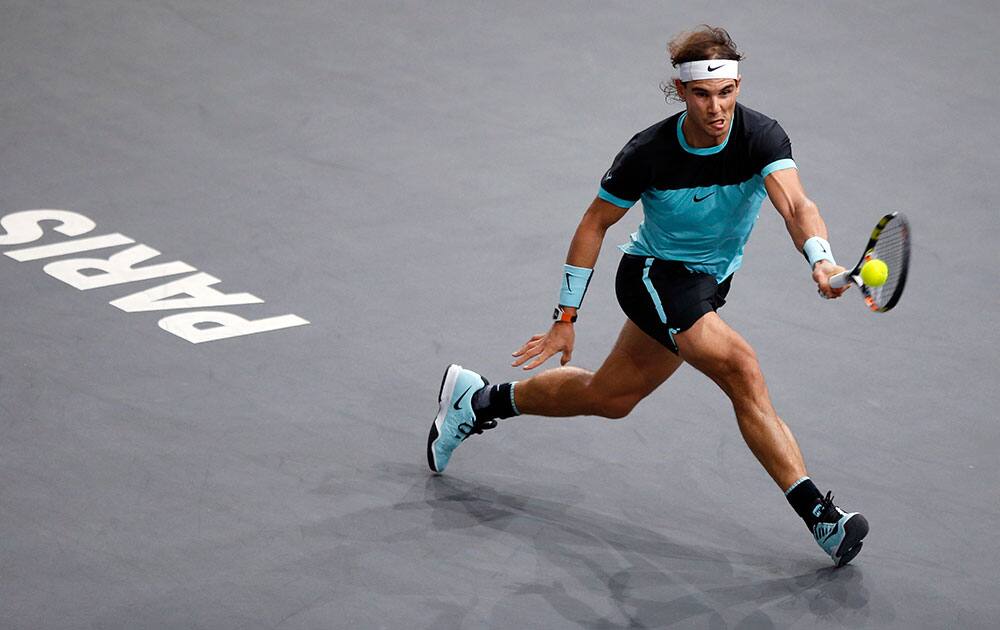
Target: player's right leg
<point x="636" y="365"/>
<point x="718" y="351"/>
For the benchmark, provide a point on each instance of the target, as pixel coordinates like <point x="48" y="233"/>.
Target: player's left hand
<point x="560" y="338"/>
<point x="822" y="273"/>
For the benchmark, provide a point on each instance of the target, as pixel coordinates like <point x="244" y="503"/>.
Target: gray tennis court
<point x="357" y="194"/>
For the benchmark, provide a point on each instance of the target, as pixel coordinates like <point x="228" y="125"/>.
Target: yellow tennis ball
<point x="874" y="273"/>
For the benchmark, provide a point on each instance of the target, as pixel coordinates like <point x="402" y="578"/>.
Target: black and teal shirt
<point x="699" y="205"/>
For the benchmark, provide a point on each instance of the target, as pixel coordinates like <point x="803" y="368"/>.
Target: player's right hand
<point x="822" y="272"/>
<point x="560" y="338"/>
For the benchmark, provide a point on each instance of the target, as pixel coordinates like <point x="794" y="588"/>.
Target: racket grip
<point x="842" y="279"/>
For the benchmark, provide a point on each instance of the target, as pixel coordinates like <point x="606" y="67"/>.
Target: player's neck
<point x="698" y="139"/>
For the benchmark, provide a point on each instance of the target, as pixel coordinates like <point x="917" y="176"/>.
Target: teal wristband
<point x="816" y="249"/>
<point x="574" y="285"/>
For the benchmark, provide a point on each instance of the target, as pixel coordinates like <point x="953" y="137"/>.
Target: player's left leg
<point x="636" y="365"/>
<point x="719" y="352"/>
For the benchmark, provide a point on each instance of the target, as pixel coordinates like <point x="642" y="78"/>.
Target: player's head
<point x="700" y="56"/>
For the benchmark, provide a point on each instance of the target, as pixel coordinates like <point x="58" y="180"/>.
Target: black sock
<point x="804" y="496"/>
<point x="494" y="401"/>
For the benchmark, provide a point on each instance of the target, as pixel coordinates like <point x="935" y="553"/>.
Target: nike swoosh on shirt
<point x="697" y="200"/>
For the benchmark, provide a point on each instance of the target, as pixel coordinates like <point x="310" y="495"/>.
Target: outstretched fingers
<point x="540" y="348"/>
<point x="529" y="350"/>
<point x="542" y="355"/>
<point x="528" y="345"/>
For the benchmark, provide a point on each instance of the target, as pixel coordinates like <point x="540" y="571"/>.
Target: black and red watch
<point x="560" y="314"/>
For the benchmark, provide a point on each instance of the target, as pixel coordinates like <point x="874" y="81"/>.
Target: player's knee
<point x="748" y="370"/>
<point x="611" y="402"/>
<point x="741" y="370"/>
<point x="617" y="408"/>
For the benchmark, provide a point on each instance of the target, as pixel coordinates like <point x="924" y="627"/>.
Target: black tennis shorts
<point x="663" y="297"/>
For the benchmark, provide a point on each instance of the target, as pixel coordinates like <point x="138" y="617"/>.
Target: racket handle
<point x="842" y="279"/>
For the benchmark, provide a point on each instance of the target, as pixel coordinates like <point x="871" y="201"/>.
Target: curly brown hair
<point x="704" y="42"/>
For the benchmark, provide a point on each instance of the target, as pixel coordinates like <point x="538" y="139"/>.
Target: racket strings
<point x="892" y="247"/>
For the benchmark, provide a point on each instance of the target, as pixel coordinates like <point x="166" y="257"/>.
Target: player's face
<point x="710" y="107"/>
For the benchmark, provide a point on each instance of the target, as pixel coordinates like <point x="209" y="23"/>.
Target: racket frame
<point x="854" y="275"/>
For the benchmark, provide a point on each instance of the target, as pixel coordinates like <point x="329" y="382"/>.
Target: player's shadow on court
<point x="651" y="580"/>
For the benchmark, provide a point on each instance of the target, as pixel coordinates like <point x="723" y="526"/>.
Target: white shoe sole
<point x="444" y="400"/>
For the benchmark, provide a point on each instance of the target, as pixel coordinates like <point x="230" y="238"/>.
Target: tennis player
<point x="701" y="176"/>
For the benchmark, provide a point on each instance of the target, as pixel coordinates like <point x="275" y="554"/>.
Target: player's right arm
<point x="802" y="220"/>
<point x="583" y="252"/>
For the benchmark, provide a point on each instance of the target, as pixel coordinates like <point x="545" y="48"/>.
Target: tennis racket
<point x="890" y="243"/>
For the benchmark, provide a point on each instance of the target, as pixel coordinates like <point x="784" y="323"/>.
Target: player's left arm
<point x="802" y="220"/>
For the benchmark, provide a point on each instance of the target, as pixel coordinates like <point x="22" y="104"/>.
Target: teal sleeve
<point x="618" y="201"/>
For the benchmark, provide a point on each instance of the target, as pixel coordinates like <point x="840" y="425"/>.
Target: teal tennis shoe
<point x="455" y="420"/>
<point x="837" y="532"/>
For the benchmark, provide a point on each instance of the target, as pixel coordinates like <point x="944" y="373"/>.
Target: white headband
<point x="709" y="69"/>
